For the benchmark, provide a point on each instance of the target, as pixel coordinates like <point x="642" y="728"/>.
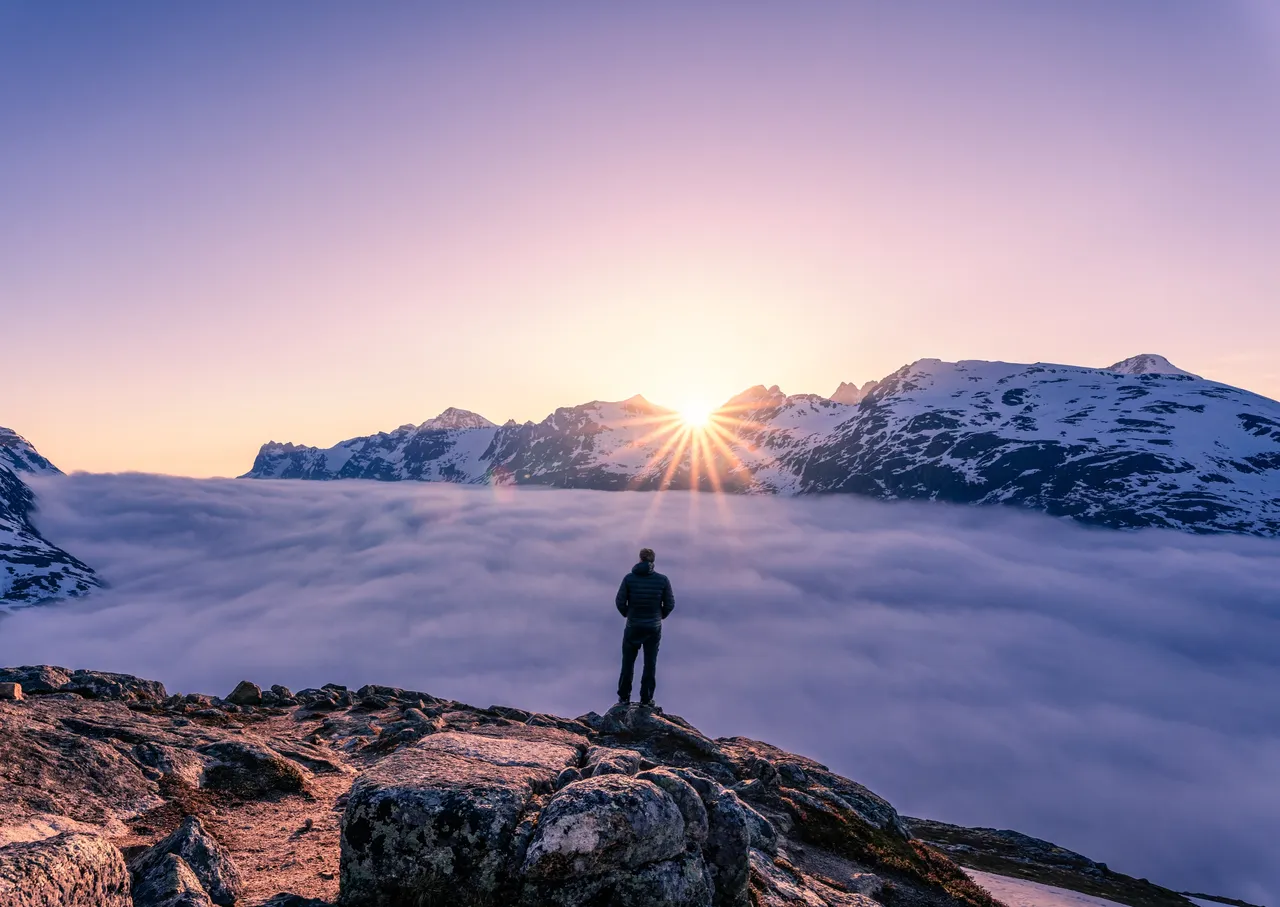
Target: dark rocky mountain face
<point x="31" y="569"/>
<point x="1136" y="445"/>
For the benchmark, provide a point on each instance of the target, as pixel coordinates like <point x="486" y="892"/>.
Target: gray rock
<point x="763" y="835"/>
<point x="36" y="678"/>
<point x="728" y="846"/>
<point x="202" y="853"/>
<point x="69" y="870"/>
<point x="11" y="691"/>
<point x="686" y="799"/>
<point x="177" y="762"/>
<point x="105" y="685"/>
<point x="438" y="819"/>
<point x="250" y="770"/>
<point x="601" y="824"/>
<point x="281" y="691"/>
<point x="568" y="776"/>
<point x="604" y="760"/>
<point x="246" y="693"/>
<point x="169" y="882"/>
<point x="682" y="882"/>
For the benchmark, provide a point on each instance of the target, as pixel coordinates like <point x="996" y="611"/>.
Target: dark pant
<point x="633" y="638"/>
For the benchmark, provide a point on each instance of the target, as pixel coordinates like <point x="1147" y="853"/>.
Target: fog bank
<point x="1116" y="693"/>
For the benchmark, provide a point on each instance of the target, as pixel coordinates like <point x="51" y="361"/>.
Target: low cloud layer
<point x="1115" y="693"/>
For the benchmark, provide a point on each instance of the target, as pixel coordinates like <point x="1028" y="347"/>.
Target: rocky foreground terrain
<point x="115" y="793"/>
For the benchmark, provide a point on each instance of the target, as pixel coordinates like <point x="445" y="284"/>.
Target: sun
<point x="695" y="415"/>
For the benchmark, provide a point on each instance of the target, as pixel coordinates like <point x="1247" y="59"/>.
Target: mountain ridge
<point x="1140" y="443"/>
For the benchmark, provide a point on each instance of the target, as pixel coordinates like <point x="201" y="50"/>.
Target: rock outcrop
<point x="382" y="797"/>
<point x="199" y="856"/>
<point x="68" y="870"/>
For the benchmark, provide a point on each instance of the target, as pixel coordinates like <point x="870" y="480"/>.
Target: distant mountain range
<point x="1140" y="443"/>
<point x="31" y="569"/>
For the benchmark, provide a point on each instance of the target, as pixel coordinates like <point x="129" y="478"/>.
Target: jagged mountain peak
<point x="1148" y="364"/>
<point x="850" y="394"/>
<point x="17" y="453"/>
<point x="453" y="419"/>
<point x="757" y="396"/>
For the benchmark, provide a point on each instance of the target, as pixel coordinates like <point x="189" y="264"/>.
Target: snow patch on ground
<point x="1022" y="893"/>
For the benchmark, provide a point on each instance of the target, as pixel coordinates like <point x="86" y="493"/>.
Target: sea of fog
<point x="1117" y="693"/>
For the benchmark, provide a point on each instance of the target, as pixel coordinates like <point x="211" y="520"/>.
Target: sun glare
<point x="695" y="415"/>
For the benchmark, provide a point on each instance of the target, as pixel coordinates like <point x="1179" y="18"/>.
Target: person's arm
<point x="668" y="600"/>
<point x="621" y="600"/>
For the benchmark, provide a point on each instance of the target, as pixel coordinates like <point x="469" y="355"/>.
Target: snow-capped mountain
<point x="1141" y="443"/>
<point x="1148" y="364"/>
<point x="31" y="569"/>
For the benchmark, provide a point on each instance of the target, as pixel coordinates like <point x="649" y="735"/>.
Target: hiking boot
<point x="647" y="704"/>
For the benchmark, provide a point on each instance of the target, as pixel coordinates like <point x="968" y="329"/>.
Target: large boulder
<point x="728" y="846"/>
<point x="169" y="882"/>
<point x="246" y="693"/>
<point x="105" y="685"/>
<point x="686" y="798"/>
<point x="436" y="822"/>
<point x="69" y="870"/>
<point x="602" y="824"/>
<point x="200" y="851"/>
<point x="36" y="678"/>
<point x="251" y="770"/>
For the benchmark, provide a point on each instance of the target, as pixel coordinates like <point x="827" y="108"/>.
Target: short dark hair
<point x="646" y="554"/>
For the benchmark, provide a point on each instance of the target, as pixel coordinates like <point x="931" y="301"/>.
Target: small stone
<point x="246" y="693"/>
<point x="11" y="691"/>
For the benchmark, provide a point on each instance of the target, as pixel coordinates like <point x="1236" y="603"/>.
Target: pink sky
<point x="223" y="226"/>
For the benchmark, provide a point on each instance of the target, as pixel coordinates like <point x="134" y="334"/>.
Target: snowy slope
<point x="1141" y="443"/>
<point x="31" y="569"/>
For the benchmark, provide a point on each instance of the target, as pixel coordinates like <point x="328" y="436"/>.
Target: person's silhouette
<point x="645" y="599"/>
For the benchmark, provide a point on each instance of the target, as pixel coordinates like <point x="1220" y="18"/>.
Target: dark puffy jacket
<point x="645" y="596"/>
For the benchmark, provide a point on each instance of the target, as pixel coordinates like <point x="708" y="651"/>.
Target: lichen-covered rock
<point x="604" y="823"/>
<point x="246" y="693"/>
<point x="36" y="678"/>
<point x="606" y="760"/>
<point x="435" y="822"/>
<point x="105" y="685"/>
<point x="763" y="836"/>
<point x="202" y="853"/>
<point x="169" y="882"/>
<point x="682" y="882"/>
<point x="182" y="764"/>
<point x="686" y="799"/>
<point x="69" y="870"/>
<point x="250" y="770"/>
<point x="778" y="884"/>
<point x="728" y="845"/>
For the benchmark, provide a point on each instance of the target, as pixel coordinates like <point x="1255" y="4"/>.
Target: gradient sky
<point x="227" y="223"/>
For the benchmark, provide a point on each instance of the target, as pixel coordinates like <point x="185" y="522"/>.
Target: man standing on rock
<point x="645" y="599"/>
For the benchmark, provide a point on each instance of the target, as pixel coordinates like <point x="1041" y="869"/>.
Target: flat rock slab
<point x="69" y="870"/>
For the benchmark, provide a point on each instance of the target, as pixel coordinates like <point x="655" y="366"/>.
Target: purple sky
<point x="227" y="223"/>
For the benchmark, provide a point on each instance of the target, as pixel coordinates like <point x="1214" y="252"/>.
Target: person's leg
<point x="649" y="679"/>
<point x="630" y="648"/>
